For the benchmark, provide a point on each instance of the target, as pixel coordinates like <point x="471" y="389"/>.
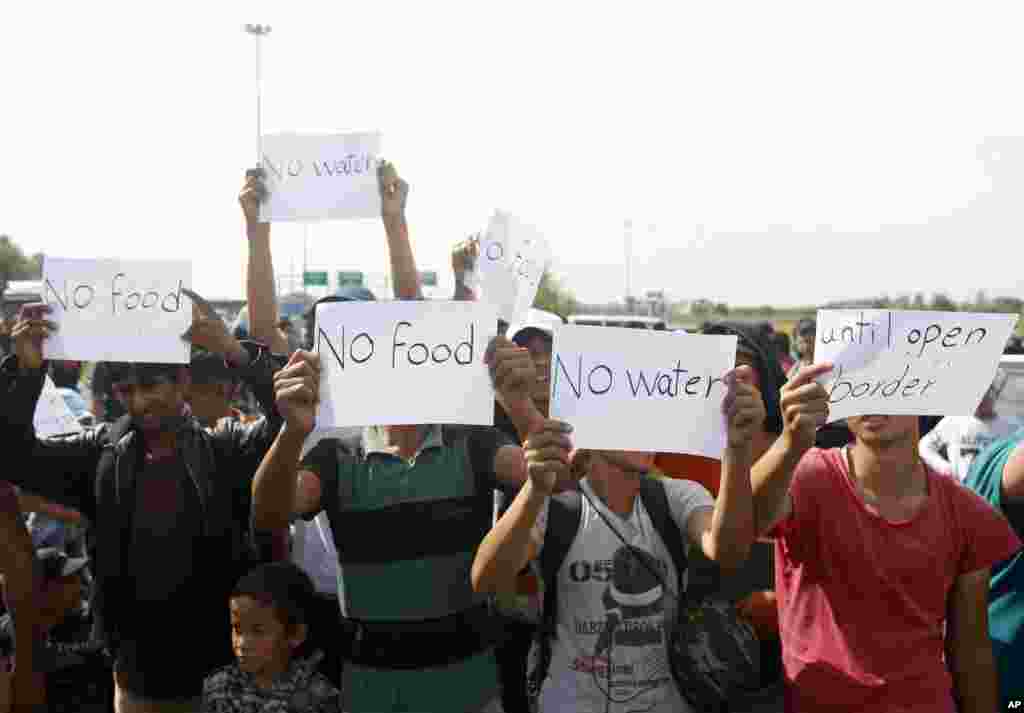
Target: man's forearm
<point x="975" y="681"/>
<point x="34" y="503"/>
<point x="732" y="523"/>
<point x="524" y="416"/>
<point x="19" y="568"/>
<point x="274" y="487"/>
<point x="260" y="290"/>
<point x="770" y="479"/>
<point x="19" y="393"/>
<point x="404" y="275"/>
<point x="506" y="548"/>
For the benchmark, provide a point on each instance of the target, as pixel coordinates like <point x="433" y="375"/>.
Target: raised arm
<point x="274" y="488"/>
<point x="393" y="195"/>
<point x="506" y="548"/>
<point x="260" y="287"/>
<point x="59" y="469"/>
<point x="726" y="534"/>
<point x="464" y="256"/>
<point x="804" y="405"/>
<point x="513" y="374"/>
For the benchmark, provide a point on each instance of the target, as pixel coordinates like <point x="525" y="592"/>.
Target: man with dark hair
<point x="169" y="502"/>
<point x="106" y="406"/>
<point x="212" y="388"/>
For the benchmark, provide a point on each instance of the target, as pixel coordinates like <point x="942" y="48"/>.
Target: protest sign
<point x="311" y="177"/>
<point x="899" y="362"/>
<point x="118" y="310"/>
<point x="634" y="389"/>
<point x="398" y="363"/>
<point x="53" y="417"/>
<point x="513" y="258"/>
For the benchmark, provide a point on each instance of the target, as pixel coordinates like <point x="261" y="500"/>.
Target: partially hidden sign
<point x="313" y="177"/>
<point x="403" y="363"/>
<point x="904" y="362"/>
<point x="52" y="416"/>
<point x="118" y="310"/>
<point x="513" y="258"/>
<point x="641" y="390"/>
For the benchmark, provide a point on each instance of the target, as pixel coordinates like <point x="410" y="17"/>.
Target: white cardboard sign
<point x="641" y="390"/>
<point x="513" y="258"/>
<point x="312" y="177"/>
<point x="53" y="417"/>
<point x="118" y="310"/>
<point x="902" y="362"/>
<point x="401" y="363"/>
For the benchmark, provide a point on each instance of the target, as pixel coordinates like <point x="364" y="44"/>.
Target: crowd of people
<point x="203" y="549"/>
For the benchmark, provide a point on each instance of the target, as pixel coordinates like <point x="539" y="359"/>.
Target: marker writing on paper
<point x="77" y="295"/>
<point x="599" y="379"/>
<point x="354" y="350"/>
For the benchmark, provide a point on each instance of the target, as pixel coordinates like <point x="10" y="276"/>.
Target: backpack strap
<point x="564" y="513"/>
<point x="655" y="500"/>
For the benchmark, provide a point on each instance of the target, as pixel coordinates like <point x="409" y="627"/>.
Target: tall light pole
<point x="259" y="32"/>
<point x="627" y="239"/>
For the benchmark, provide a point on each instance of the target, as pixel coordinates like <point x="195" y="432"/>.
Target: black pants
<point x="512" y="656"/>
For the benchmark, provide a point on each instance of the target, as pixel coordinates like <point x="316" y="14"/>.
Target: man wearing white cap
<point x="955" y="442"/>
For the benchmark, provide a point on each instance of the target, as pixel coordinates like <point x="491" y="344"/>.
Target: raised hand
<point x="743" y="408"/>
<point x="30" y="331"/>
<point x="512" y="370"/>
<point x="297" y="390"/>
<point x="254" y="192"/>
<point x="209" y="330"/>
<point x="804" y="404"/>
<point x="464" y="255"/>
<point x="393" y="191"/>
<point x="547" y="456"/>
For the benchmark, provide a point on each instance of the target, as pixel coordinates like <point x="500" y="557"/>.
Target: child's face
<point x="262" y="643"/>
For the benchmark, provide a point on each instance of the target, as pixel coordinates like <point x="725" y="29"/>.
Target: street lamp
<point x="259" y="32"/>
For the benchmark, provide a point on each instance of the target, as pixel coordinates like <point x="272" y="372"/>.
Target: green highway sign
<point x="314" y="279"/>
<point x="428" y="278"/>
<point x="350" y="279"/>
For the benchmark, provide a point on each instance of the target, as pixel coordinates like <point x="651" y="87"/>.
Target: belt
<point x="424" y="643"/>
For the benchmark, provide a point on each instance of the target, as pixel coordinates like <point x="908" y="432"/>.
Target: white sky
<point x="125" y="132"/>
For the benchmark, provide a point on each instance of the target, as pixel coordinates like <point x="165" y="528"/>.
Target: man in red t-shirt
<point x="882" y="566"/>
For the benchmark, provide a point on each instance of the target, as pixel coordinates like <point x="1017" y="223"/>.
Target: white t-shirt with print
<point x="624" y="618"/>
<point x="963" y="437"/>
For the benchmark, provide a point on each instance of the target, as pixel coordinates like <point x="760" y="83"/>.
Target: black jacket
<point x="94" y="473"/>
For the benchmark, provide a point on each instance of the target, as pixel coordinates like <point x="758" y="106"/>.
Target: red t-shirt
<point x="862" y="600"/>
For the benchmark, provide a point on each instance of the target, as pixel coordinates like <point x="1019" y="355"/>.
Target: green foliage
<point x="15" y="265"/>
<point x="553" y="296"/>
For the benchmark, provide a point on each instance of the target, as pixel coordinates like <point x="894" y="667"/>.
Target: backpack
<point x="712" y="651"/>
<point x="564" y="513"/>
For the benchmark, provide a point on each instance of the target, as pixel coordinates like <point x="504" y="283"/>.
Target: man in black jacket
<point x="169" y="501"/>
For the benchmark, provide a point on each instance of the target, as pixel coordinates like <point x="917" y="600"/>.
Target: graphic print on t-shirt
<point x="629" y="657"/>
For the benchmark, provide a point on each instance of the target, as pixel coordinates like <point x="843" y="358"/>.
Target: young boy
<point x="268" y="627"/>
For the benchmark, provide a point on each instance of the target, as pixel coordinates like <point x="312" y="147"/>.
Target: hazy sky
<point x="125" y="132"/>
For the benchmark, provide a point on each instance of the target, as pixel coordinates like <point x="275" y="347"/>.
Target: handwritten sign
<point x="397" y="363"/>
<point x="633" y="389"/>
<point x="53" y="417"/>
<point x="320" y="177"/>
<point x="513" y="258"/>
<point x="896" y="362"/>
<point x="118" y="310"/>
